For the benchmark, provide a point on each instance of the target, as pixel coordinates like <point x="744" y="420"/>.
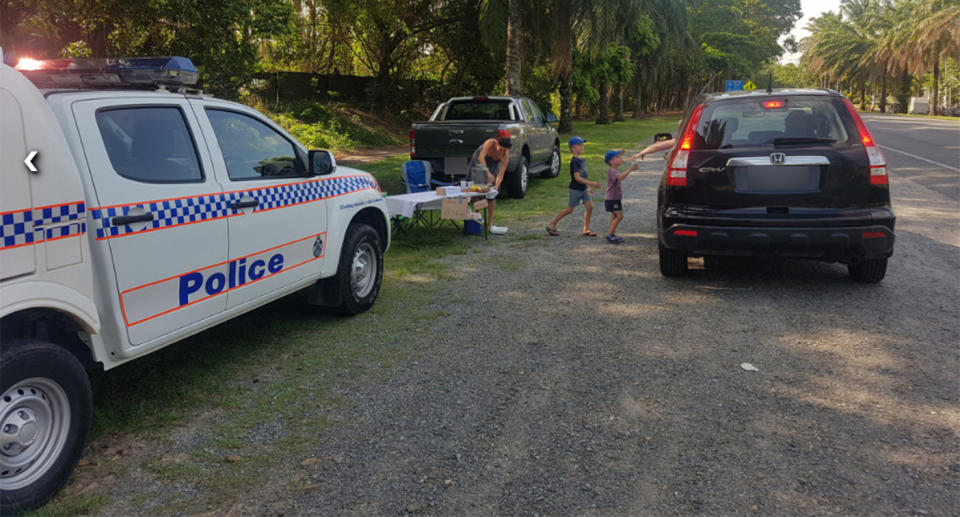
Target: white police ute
<point x="136" y="212"/>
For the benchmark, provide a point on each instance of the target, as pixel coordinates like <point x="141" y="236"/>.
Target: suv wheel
<point x="360" y="271"/>
<point x="45" y="411"/>
<point x="671" y="262"/>
<point x="518" y="179"/>
<point x="868" y="270"/>
<point x="554" y="163"/>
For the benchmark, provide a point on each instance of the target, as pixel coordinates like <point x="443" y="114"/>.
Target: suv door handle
<point x="245" y="203"/>
<point x="129" y="219"/>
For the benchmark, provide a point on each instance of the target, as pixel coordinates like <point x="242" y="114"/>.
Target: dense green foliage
<point x="574" y="57"/>
<point x="599" y="55"/>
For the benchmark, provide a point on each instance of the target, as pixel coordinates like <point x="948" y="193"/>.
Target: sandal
<point x="613" y="239"/>
<point x="589" y="233"/>
<point x="551" y="232"/>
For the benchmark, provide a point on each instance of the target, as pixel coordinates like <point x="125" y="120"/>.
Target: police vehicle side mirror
<point x="321" y="162"/>
<point x="551" y="118"/>
<point x="660" y="137"/>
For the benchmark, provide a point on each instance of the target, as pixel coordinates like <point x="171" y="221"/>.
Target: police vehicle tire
<point x="518" y="179"/>
<point x="672" y="263"/>
<point x="868" y="270"/>
<point x="46" y="405"/>
<point x="360" y="271"/>
<point x="554" y="164"/>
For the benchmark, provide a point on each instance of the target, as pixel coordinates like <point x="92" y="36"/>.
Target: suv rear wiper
<point x="802" y="140"/>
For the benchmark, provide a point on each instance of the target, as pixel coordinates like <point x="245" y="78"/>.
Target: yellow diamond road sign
<point x="749" y="85"/>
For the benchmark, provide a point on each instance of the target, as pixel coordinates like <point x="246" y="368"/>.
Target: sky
<point x="811" y="9"/>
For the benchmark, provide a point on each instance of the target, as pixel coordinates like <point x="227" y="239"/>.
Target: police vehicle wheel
<point x="361" y="269"/>
<point x="45" y="412"/>
<point x="518" y="179"/>
<point x="554" y="168"/>
<point x="672" y="263"/>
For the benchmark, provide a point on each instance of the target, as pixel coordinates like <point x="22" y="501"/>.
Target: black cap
<point x="505" y="142"/>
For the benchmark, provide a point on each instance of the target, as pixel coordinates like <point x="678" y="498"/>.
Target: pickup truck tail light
<point x="413" y="143"/>
<point x="677" y="172"/>
<point x="503" y="133"/>
<point x="878" y="162"/>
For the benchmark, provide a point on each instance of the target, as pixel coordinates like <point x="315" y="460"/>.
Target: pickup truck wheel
<point x="361" y="269"/>
<point x="868" y="271"/>
<point x="519" y="179"/>
<point x="45" y="411"/>
<point x="671" y="262"/>
<point x="554" y="168"/>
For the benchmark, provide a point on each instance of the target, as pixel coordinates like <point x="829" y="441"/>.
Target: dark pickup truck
<point x="461" y="124"/>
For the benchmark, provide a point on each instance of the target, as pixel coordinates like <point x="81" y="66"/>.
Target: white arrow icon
<point x="29" y="161"/>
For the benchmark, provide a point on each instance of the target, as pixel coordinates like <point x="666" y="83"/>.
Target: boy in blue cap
<point x="613" y="198"/>
<point x="580" y="189"/>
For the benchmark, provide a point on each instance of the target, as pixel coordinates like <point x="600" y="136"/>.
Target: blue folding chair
<point x="415" y="174"/>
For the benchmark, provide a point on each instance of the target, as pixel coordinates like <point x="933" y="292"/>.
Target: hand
<point x="596" y="184"/>
<point x="638" y="156"/>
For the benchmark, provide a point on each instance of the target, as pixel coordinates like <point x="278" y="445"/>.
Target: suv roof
<point x="776" y="92"/>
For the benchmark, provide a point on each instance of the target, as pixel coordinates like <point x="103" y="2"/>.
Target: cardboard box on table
<point x="455" y="208"/>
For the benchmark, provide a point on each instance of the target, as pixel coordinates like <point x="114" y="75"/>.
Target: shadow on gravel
<point x="645" y="410"/>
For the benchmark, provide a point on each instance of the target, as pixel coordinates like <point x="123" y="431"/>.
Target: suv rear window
<point x="478" y="110"/>
<point x="754" y="122"/>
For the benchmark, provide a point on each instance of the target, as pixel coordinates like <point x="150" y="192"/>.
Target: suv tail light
<point x="677" y="172"/>
<point x="413" y="143"/>
<point x="878" y="163"/>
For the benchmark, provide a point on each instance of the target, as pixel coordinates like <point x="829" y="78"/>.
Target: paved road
<point x="925" y="150"/>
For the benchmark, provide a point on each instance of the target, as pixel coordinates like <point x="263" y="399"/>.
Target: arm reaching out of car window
<point x="656" y="147"/>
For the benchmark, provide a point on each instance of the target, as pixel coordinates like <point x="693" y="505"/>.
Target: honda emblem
<point x="778" y="158"/>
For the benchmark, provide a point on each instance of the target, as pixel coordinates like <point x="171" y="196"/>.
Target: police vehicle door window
<point x="252" y="149"/>
<point x="150" y="144"/>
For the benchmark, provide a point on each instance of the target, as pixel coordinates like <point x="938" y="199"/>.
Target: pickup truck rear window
<point x="769" y="122"/>
<point x="478" y="110"/>
<point x="150" y="144"/>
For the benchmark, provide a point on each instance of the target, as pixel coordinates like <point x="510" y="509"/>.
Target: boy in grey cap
<point x="580" y="190"/>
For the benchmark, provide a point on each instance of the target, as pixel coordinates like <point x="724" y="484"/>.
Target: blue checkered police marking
<point x="176" y="212"/>
<point x="166" y="213"/>
<point x="19" y="228"/>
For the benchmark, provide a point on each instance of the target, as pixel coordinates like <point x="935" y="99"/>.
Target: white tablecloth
<point x="406" y="204"/>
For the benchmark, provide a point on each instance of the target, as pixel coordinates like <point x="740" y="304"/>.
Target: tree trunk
<point x="637" y="95"/>
<point x="863" y="95"/>
<point x="618" y="116"/>
<point x="603" y="115"/>
<point x="514" y="50"/>
<point x="883" y="91"/>
<point x="935" y="101"/>
<point x="566" y="104"/>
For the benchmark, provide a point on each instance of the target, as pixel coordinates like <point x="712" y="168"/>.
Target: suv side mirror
<point x="321" y="162"/>
<point x="551" y="118"/>
<point x="660" y="137"/>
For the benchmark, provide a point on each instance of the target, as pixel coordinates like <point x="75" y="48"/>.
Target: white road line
<point x="938" y="164"/>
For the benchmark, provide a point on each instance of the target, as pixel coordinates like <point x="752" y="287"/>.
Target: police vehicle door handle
<point x="245" y="203"/>
<point x="130" y="219"/>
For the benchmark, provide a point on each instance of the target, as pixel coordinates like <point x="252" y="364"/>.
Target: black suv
<point x="792" y="173"/>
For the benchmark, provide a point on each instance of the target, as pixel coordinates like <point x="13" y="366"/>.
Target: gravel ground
<point x="579" y="381"/>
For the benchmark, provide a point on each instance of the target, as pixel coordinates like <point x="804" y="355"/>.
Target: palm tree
<point x="929" y="30"/>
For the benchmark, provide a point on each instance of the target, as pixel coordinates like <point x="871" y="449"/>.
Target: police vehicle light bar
<point x="109" y="72"/>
